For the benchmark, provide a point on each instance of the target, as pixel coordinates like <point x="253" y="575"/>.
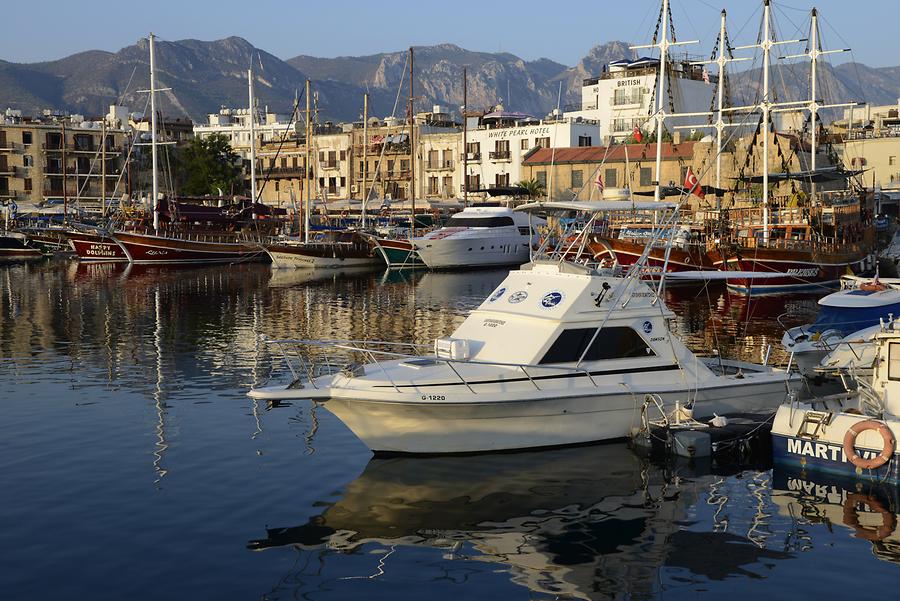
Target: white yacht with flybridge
<point x="559" y="353"/>
<point x="479" y="236"/>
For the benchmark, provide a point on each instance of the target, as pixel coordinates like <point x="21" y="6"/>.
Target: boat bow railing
<point x="308" y="360"/>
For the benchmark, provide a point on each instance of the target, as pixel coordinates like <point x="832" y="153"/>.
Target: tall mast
<point x="766" y="111"/>
<point x="252" y="138"/>
<point x="103" y="169"/>
<point x="465" y="152"/>
<point x="660" y="107"/>
<point x="412" y="147"/>
<point x="365" y="169"/>
<point x="155" y="177"/>
<point x="308" y="170"/>
<point x="813" y="106"/>
<point x="65" y="176"/>
<point x="663" y="45"/>
<point x="813" y="99"/>
<point x="720" y="123"/>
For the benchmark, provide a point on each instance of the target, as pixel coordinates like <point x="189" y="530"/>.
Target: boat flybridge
<point x="559" y="353"/>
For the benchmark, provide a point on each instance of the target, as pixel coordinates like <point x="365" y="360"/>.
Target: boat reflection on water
<point x="289" y="278"/>
<point x="867" y="511"/>
<point x="461" y="290"/>
<point x="586" y="522"/>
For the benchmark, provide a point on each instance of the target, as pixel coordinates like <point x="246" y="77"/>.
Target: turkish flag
<point x="693" y="185"/>
<point x="638" y="136"/>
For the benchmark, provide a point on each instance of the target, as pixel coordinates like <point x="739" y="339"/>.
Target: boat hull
<point x="805" y="270"/>
<point x="627" y="252"/>
<point x="152" y="249"/>
<point x="451" y="253"/>
<point x="500" y="425"/>
<point x="319" y="256"/>
<point x="450" y="419"/>
<point x="95" y="247"/>
<point x="398" y="253"/>
<point x="825" y="454"/>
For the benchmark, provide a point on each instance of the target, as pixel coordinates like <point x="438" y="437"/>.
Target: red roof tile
<point x="615" y="153"/>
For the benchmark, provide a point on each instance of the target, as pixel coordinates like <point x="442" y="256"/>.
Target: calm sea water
<point x="133" y="466"/>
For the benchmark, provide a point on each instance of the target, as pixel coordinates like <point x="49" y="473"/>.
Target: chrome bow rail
<point x="311" y="359"/>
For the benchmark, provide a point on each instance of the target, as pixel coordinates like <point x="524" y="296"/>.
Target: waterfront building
<point x="871" y="141"/>
<point x="234" y="124"/>
<point x="57" y="159"/>
<point x="623" y="97"/>
<point x="498" y="141"/>
<point x="571" y="173"/>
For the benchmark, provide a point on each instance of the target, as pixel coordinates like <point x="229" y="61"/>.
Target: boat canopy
<point x="847" y="320"/>
<point x="596" y="206"/>
<point x="818" y="176"/>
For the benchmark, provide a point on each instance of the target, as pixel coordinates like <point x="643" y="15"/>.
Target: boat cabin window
<point x="894" y="361"/>
<point x="460" y="221"/>
<point x="611" y="343"/>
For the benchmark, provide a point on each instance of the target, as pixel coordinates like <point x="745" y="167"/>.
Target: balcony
<point x="586" y="106"/>
<point x="283" y="171"/>
<point x="473" y="156"/>
<point x="331" y="165"/>
<point x="500" y="155"/>
<point x="627" y="100"/>
<point x="439" y="165"/>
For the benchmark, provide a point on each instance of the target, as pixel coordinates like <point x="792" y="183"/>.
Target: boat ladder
<point x="813" y="424"/>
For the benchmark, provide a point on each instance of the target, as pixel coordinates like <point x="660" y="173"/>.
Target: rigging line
<point x="384" y="142"/>
<point x="295" y="116"/>
<point x="687" y="15"/>
<point x="640" y="28"/>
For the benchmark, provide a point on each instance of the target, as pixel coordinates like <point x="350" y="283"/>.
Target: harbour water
<point x="133" y="465"/>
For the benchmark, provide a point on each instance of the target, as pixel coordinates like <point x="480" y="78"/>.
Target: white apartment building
<point x="235" y="125"/>
<point x="623" y="97"/>
<point x="497" y="143"/>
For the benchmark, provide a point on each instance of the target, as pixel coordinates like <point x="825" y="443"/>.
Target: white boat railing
<point x="306" y="366"/>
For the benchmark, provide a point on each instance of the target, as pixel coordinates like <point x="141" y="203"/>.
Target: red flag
<point x="638" y="136"/>
<point x="693" y="185"/>
<point x="598" y="181"/>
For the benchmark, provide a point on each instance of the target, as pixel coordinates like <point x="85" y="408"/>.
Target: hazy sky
<point x="561" y="31"/>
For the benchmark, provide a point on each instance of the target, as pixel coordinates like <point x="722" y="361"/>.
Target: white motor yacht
<point x="479" y="236"/>
<point x="557" y="354"/>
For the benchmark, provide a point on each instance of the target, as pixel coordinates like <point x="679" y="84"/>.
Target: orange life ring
<point x="851" y="518"/>
<point x="875" y="462"/>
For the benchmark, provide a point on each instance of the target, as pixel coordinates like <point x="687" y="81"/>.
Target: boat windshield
<point x="460" y="221"/>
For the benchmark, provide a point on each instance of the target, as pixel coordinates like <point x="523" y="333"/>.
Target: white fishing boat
<point x="852" y="434"/>
<point x="479" y="236"/>
<point x="558" y="354"/>
<point x="860" y="304"/>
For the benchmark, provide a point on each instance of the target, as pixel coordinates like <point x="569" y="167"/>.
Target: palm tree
<point x="532" y="188"/>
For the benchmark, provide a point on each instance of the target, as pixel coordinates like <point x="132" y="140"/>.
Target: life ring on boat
<point x="872" y="287"/>
<point x="875" y="462"/>
<point x="851" y="518"/>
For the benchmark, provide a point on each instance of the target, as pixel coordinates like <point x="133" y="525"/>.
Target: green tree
<point x="206" y="165"/>
<point x="533" y="188"/>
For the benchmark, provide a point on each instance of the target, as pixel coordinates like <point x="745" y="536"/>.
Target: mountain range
<point x="204" y="76"/>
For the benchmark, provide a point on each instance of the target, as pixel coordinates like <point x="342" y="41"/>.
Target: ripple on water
<point x="133" y="465"/>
